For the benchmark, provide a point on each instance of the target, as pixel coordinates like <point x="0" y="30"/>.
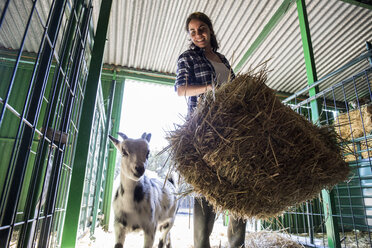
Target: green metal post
<point x="278" y="15"/>
<point x="328" y="205"/>
<point x="82" y="148"/>
<point x="226" y="218"/>
<point x="115" y="120"/>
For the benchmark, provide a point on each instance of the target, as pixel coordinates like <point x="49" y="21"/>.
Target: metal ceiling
<point x="15" y="21"/>
<point x="149" y="35"/>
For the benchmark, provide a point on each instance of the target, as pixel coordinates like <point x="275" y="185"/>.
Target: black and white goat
<point x="140" y="202"/>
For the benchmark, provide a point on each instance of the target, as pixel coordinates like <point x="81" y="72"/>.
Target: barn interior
<point x="63" y="67"/>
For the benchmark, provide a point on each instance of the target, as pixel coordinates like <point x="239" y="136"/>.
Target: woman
<point x="198" y="69"/>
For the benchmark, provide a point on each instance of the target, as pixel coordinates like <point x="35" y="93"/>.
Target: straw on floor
<point x="269" y="239"/>
<point x="248" y="153"/>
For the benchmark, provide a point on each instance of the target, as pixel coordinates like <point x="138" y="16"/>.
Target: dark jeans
<point x="204" y="217"/>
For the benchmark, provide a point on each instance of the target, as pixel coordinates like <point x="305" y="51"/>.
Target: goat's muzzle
<point x="140" y="170"/>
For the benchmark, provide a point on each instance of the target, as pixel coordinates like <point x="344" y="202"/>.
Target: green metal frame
<point x="82" y="147"/>
<point x="328" y="202"/>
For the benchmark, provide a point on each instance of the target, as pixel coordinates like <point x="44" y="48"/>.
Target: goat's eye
<point x="124" y="152"/>
<point x="147" y="155"/>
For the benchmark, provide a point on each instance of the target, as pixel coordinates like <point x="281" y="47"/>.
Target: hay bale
<point x="248" y="153"/>
<point x="351" y="153"/>
<point x="351" y="125"/>
<point x="269" y="239"/>
<point x="348" y="126"/>
<point x="366" y="146"/>
<point x="367" y="118"/>
<point x="357" y="150"/>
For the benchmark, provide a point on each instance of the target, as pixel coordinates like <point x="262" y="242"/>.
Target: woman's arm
<point x="192" y="90"/>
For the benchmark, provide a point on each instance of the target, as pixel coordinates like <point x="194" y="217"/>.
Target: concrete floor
<point x="181" y="236"/>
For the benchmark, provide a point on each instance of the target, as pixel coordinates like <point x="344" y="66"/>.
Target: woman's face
<point x="200" y="33"/>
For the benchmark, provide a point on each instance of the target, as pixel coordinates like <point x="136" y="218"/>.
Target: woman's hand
<point x="193" y="90"/>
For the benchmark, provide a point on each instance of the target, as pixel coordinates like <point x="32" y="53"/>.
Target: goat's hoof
<point x="118" y="245"/>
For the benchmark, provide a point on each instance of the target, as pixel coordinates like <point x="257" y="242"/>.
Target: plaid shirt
<point x="193" y="68"/>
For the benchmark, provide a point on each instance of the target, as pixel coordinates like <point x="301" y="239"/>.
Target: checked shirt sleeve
<point x="185" y="72"/>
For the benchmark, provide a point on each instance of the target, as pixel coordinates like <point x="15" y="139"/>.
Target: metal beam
<point x="271" y="24"/>
<point x="359" y="3"/>
<point x="328" y="204"/>
<point x="82" y="148"/>
<point x="308" y="56"/>
<point x="139" y="75"/>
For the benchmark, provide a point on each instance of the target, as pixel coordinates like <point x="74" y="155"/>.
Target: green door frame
<point x="71" y="225"/>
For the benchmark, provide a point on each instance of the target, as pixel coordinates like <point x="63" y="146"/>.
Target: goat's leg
<point x="119" y="235"/>
<point x="165" y="237"/>
<point x="149" y="237"/>
<point x="167" y="241"/>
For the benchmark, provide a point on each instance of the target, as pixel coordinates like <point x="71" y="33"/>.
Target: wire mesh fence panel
<point x="44" y="57"/>
<point x="93" y="165"/>
<point x="96" y="170"/>
<point x="346" y="107"/>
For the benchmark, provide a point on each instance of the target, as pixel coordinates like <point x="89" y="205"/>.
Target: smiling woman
<point x="151" y="108"/>
<point x="199" y="69"/>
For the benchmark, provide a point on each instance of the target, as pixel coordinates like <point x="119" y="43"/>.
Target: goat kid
<point x="140" y="202"/>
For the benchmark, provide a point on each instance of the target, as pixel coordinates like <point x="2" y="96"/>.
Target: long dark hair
<point x="204" y="18"/>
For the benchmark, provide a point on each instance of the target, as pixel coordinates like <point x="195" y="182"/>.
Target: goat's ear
<point x="114" y="141"/>
<point x="122" y="135"/>
<point x="148" y="137"/>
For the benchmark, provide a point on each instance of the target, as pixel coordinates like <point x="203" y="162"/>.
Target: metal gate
<point x="43" y="66"/>
<point x="97" y="166"/>
<point x="341" y="217"/>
